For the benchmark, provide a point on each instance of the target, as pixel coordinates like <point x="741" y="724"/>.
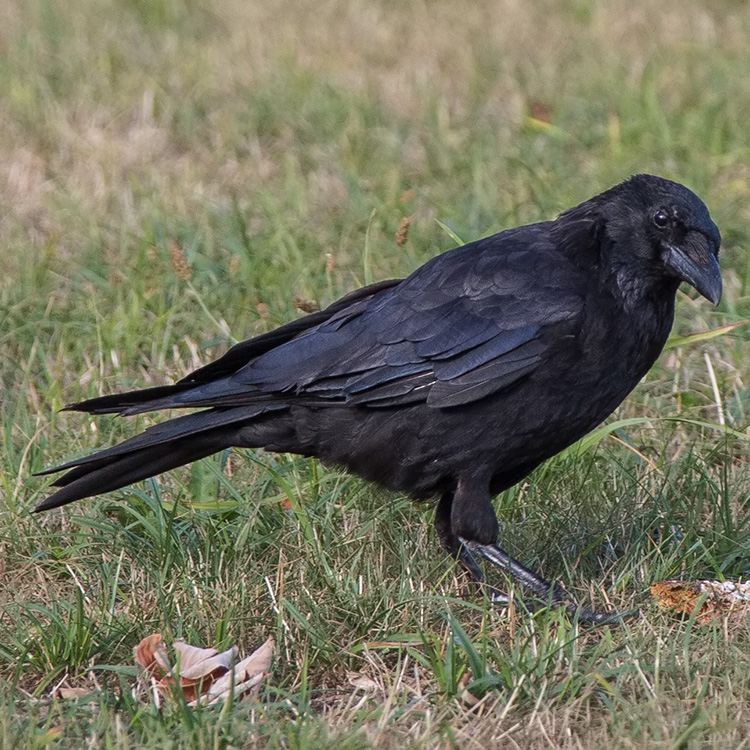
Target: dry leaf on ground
<point x="205" y="675"/>
<point x="716" y="598"/>
<point x="151" y="654"/>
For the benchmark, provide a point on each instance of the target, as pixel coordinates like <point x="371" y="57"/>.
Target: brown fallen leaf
<point x="151" y="654"/>
<point x="716" y="598"/>
<point x="194" y="663"/>
<point x="244" y="681"/>
<point x="204" y="675"/>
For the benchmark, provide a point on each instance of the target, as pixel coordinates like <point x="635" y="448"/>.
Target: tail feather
<point x="118" y="403"/>
<point x="175" y="429"/>
<point x="122" y="471"/>
<point x="158" y="449"/>
<point x="221" y="394"/>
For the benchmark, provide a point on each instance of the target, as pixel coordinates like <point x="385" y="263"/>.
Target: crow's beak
<point x="696" y="264"/>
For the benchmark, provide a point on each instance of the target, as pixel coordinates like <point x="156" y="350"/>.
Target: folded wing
<point x="468" y="324"/>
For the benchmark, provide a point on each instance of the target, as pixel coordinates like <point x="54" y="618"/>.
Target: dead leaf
<point x="246" y="677"/>
<point x="151" y="654"/>
<point x="716" y="598"/>
<point x="194" y="663"/>
<point x="204" y="675"/>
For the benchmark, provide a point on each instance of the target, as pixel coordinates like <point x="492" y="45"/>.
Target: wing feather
<point x="464" y="326"/>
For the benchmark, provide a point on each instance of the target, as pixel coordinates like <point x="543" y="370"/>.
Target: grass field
<point x="179" y="174"/>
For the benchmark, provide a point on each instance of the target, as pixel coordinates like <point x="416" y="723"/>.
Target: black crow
<point x="455" y="382"/>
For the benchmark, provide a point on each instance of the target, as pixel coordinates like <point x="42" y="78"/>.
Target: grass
<point x="175" y="174"/>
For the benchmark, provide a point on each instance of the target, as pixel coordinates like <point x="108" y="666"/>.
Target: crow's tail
<point x="121" y="471"/>
<point x="159" y="448"/>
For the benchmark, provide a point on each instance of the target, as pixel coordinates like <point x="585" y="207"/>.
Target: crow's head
<point x="657" y="233"/>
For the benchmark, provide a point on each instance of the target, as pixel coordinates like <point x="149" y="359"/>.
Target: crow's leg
<point x="467" y="525"/>
<point x="542" y="589"/>
<point x="457" y="549"/>
<point x="536" y="584"/>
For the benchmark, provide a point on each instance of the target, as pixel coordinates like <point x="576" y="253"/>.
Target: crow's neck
<point x="641" y="288"/>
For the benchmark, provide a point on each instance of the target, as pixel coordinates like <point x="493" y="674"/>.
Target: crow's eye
<point x="661" y="218"/>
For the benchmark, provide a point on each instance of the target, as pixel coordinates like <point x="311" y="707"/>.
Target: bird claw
<point x="592" y="617"/>
<point x="544" y="592"/>
<point x="582" y="614"/>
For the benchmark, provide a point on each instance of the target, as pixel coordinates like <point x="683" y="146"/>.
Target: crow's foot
<point x="545" y="593"/>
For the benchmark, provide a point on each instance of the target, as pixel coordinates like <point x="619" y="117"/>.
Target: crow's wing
<point x="159" y="397"/>
<point x="467" y="324"/>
